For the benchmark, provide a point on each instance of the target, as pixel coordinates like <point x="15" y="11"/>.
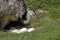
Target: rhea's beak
<point x="34" y="16"/>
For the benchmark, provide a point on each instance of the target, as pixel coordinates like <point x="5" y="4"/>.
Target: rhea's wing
<point x="22" y="7"/>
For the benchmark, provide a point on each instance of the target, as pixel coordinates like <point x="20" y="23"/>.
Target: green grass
<point x="47" y="24"/>
<point x="50" y="31"/>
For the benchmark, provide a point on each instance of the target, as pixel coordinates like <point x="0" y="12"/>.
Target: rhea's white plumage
<point x="19" y="30"/>
<point x="30" y="29"/>
<point x="22" y="30"/>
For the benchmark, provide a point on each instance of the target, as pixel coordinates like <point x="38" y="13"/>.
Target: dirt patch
<point x="39" y="10"/>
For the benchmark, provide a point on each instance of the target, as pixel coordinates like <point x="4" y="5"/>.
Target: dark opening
<point x="15" y="24"/>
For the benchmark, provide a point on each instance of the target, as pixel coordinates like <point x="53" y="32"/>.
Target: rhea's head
<point x="31" y="13"/>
